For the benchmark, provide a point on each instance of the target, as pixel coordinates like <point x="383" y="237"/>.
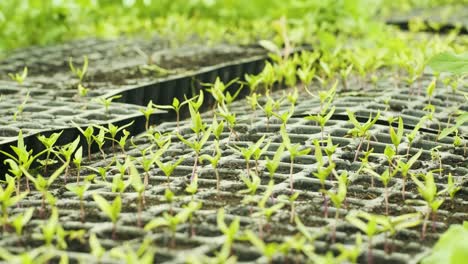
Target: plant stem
<point x="370" y="258"/>
<point x="114" y="231"/>
<point x="426" y="218"/>
<point x="218" y="180"/>
<point x="358" y="149"/>
<point x="386" y="200"/>
<point x="291" y="167"/>
<point x="194" y="170"/>
<point x="337" y="214"/>
<point x="139" y="211"/>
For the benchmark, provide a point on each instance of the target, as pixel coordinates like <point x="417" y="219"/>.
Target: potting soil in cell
<point x="203" y="238"/>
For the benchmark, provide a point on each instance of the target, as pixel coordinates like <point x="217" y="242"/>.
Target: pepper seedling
<point x="264" y="210"/>
<point x="248" y="152"/>
<point x="79" y="190"/>
<point x="322" y="173"/>
<point x="7" y="200"/>
<point x="397" y="136"/>
<point x="197" y="146"/>
<point x="67" y="152"/>
<point x="361" y="131"/>
<point x="294" y="152"/>
<point x="139" y="187"/>
<point x="428" y="191"/>
<point x="404" y="168"/>
<point x="338" y="198"/>
<point x="273" y="164"/>
<point x="176" y="106"/>
<point x="88" y="135"/>
<point x="48" y="143"/>
<point x="106" y="102"/>
<point x="19" y="78"/>
<point x="385" y="177"/>
<point x="214" y="160"/>
<point x="168" y="167"/>
<point x="21" y="220"/>
<point x="111" y="210"/>
<point x="80" y="73"/>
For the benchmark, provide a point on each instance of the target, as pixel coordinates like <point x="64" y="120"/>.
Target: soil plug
<point x="112" y="210"/>
<point x="293" y="153"/>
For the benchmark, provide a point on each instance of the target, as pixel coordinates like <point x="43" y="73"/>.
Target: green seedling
<point x="79" y="190"/>
<point x="118" y="185"/>
<point x="268" y="250"/>
<point x="39" y="255"/>
<point x="269" y="109"/>
<point x="404" y="168"/>
<point x="80" y="73"/>
<point x="251" y="184"/>
<point x="144" y="254"/>
<point x="385" y="177"/>
<point x="371" y="228"/>
<point x="113" y="130"/>
<point x="412" y="135"/>
<point x="248" y="152"/>
<point x="111" y="210"/>
<point x="197" y="146"/>
<point x="394" y="224"/>
<point x="168" y="167"/>
<point x="100" y="140"/>
<point x="428" y="191"/>
<point x="322" y="119"/>
<point x="106" y="102"/>
<point x="344" y="74"/>
<point x="77" y="160"/>
<point x="52" y="230"/>
<point x="147" y="163"/>
<point x="19" y="78"/>
<point x="361" y="131"/>
<point x="88" y="134"/>
<point x="214" y="160"/>
<point x="48" y="143"/>
<point x="230" y="119"/>
<point x="20" y="108"/>
<point x="253" y="81"/>
<point x="350" y="253"/>
<point x="8" y="200"/>
<point x="459" y="121"/>
<point x="139" y="187"/>
<point x="218" y="91"/>
<point x="430" y="89"/>
<point x="97" y="250"/>
<point x="172" y="222"/>
<point x="147" y="112"/>
<point x="294" y="152"/>
<point x="452" y="188"/>
<point x="218" y="128"/>
<point x="176" y="106"/>
<point x="291" y="201"/>
<point x="43" y="185"/>
<point x="67" y="152"/>
<point x="389" y="154"/>
<point x="284" y="117"/>
<point x="82" y="91"/>
<point x="253" y="102"/>
<point x="397" y="136"/>
<point x="306" y="76"/>
<point x="322" y="173"/>
<point x="337" y="198"/>
<point x="273" y="164"/>
<point x="19" y="221"/>
<point x="264" y="210"/>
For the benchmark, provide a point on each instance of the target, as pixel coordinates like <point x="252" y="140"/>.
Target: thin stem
<point x="358" y="149"/>
<point x="426" y="218"/>
<point x="370" y="258"/>
<point x="386" y="200"/>
<point x="82" y="211"/>
<point x="291" y="184"/>
<point x="194" y="170"/>
<point x="218" y="180"/>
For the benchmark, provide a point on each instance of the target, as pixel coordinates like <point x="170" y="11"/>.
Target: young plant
<point x="176" y="106"/>
<point x="385" y="177"/>
<point x="106" y="102"/>
<point x="19" y="78"/>
<point x="230" y="119"/>
<point x="113" y="131"/>
<point x="230" y="234"/>
<point x="412" y="135"/>
<point x="214" y="160"/>
<point x="428" y="191"/>
<point x="43" y="185"/>
<point x="361" y="131"/>
<point x="269" y="109"/>
<point x="404" y="168"/>
<point x="322" y="173"/>
<point x="147" y="163"/>
<point x="452" y="188"/>
<point x="397" y="136"/>
<point x="80" y="73"/>
<point x="294" y="152"/>
<point x="147" y="112"/>
<point x="139" y="187"/>
<point x="248" y="152"/>
<point x="20" y="107"/>
<point x="21" y="220"/>
<point x="291" y="201"/>
<point x="264" y="210"/>
<point x="338" y="198"/>
<point x="112" y="210"/>
<point x="172" y="222"/>
<point x="67" y="152"/>
<point x="7" y="200"/>
<point x="322" y="119"/>
<point x="77" y="160"/>
<point x="197" y="146"/>
<point x="100" y="140"/>
<point x="88" y="134"/>
<point x="273" y="164"/>
<point x="53" y="230"/>
<point x="371" y="228"/>
<point x="48" y="143"/>
<point x="79" y="190"/>
<point x="168" y="167"/>
<point x="393" y="224"/>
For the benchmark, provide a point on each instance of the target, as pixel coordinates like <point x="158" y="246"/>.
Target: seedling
<point x="322" y="119"/>
<point x="176" y="106"/>
<point x="230" y="119"/>
<point x="218" y="91"/>
<point x="248" y="152"/>
<point x="8" y="200"/>
<point x="214" y="160"/>
<point x="269" y="109"/>
<point x="79" y="190"/>
<point x="147" y="163"/>
<point x="19" y="78"/>
<point x="112" y="210"/>
<point x="168" y="167"/>
<point x="113" y="131"/>
<point x="77" y="159"/>
<point x="268" y="250"/>
<point x="197" y="146"/>
<point x="42" y="185"/>
<point x="452" y="188"/>
<point x="393" y="224"/>
<point x="88" y="135"/>
<point x="263" y="210"/>
<point x="230" y="233"/>
<point x="52" y="230"/>
<point x="371" y="228"/>
<point x="273" y="164"/>
<point x="21" y="220"/>
<point x="428" y="191"/>
<point x="385" y="177"/>
<point x="338" y="198"/>
<point x="48" y="143"/>
<point x="294" y="152"/>
<point x="396" y="137"/>
<point x="139" y="187"/>
<point x="405" y="167"/>
<point x="106" y="102"/>
<point x="100" y="140"/>
<point x="430" y="89"/>
<point x="322" y="173"/>
<point x="218" y="128"/>
<point x="96" y="249"/>
<point x="412" y="135"/>
<point x="291" y="201"/>
<point x="172" y="222"/>
<point x="361" y="131"/>
<point x="67" y="152"/>
<point x="20" y="108"/>
<point x="123" y="140"/>
<point x="80" y="73"/>
<point x="253" y="102"/>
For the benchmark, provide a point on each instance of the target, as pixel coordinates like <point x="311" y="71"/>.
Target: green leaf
<point x="449" y="62"/>
<point x="452" y="247"/>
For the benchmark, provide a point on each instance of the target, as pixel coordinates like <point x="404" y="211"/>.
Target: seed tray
<point x="207" y="239"/>
<point x="441" y="19"/>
